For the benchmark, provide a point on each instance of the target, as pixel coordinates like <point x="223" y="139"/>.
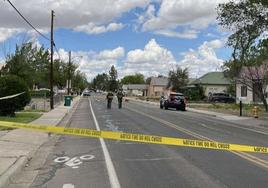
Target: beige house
<point x="212" y="82"/>
<point x="135" y="89"/>
<point x="158" y="86"/>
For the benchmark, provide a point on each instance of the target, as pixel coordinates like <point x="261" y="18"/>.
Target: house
<point x="135" y="89"/>
<point x="158" y="86"/>
<point x="248" y="82"/>
<point x="212" y="82"/>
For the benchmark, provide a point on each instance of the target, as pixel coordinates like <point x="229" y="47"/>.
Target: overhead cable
<point x="27" y="21"/>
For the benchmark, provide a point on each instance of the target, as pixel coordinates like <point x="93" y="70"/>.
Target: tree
<point x="178" y="79"/>
<point x="100" y="82"/>
<point x="248" y="20"/>
<point x="29" y="63"/>
<point x="79" y="82"/>
<point x="133" y="79"/>
<point x="196" y="93"/>
<point x="112" y="82"/>
<point x="60" y="71"/>
<point x="10" y="85"/>
<point x="148" y="80"/>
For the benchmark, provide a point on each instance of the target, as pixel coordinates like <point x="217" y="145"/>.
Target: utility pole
<point x="51" y="62"/>
<point x="69" y="73"/>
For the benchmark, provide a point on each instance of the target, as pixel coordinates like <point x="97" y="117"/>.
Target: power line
<point x="57" y="51"/>
<point x="27" y="21"/>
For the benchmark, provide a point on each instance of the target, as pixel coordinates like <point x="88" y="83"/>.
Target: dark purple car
<point x="173" y="100"/>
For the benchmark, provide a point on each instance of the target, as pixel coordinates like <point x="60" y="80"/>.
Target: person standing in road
<point x="120" y="96"/>
<point x="109" y="98"/>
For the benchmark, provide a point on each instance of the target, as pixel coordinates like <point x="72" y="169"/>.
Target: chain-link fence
<point x="42" y="103"/>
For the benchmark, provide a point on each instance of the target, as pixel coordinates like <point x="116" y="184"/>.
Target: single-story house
<point x="135" y="89"/>
<point x="158" y="86"/>
<point x="212" y="82"/>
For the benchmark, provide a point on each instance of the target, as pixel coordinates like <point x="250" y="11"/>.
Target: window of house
<point x="243" y="91"/>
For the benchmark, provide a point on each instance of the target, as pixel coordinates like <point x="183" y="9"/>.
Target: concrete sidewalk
<point x="249" y="121"/>
<point x="18" y="146"/>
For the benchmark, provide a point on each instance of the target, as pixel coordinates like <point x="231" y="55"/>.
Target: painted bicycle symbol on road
<point x="74" y="162"/>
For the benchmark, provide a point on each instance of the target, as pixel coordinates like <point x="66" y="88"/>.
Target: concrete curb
<point x="5" y="179"/>
<point x="200" y="112"/>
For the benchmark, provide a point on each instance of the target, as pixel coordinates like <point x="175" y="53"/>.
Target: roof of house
<point x="212" y="78"/>
<point x="159" y="81"/>
<point x="135" y="86"/>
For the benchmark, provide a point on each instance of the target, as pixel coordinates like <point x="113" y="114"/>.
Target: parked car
<point x="173" y="100"/>
<point x="86" y="93"/>
<point x="221" y="97"/>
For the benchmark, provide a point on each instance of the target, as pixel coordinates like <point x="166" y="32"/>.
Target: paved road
<point x="98" y="163"/>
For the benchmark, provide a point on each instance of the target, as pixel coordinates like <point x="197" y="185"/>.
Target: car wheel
<point x="166" y="107"/>
<point x="177" y="108"/>
<point x="183" y="109"/>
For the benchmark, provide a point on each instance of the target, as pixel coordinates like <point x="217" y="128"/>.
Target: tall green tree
<point x="113" y="83"/>
<point x="100" y="82"/>
<point x="178" y="79"/>
<point x="133" y="79"/>
<point x="248" y="21"/>
<point x="79" y="81"/>
<point x="29" y="63"/>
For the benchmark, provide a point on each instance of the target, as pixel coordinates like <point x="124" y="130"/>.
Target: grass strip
<point x="21" y="117"/>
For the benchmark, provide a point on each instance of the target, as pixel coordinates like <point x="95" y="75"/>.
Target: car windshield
<point x="176" y="96"/>
<point x="133" y="93"/>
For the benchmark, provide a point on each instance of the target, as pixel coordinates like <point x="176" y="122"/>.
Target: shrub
<point x="195" y="93"/>
<point x="10" y="85"/>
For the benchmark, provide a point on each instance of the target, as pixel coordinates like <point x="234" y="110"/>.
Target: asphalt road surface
<point x="77" y="162"/>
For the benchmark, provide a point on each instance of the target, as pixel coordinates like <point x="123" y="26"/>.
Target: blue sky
<point x="137" y="36"/>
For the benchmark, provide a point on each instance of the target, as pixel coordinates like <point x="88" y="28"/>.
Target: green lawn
<point x="229" y="108"/>
<point x="21" y="117"/>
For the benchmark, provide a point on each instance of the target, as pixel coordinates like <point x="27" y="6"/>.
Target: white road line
<point x="109" y="164"/>
<point x="68" y="186"/>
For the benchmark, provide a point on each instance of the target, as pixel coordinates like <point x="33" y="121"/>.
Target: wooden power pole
<point x="69" y="73"/>
<point x="51" y="62"/>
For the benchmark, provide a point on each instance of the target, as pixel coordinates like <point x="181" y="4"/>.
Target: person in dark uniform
<point x="109" y="98"/>
<point x="120" y="96"/>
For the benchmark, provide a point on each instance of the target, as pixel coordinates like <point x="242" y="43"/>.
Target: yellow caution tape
<point x="138" y="137"/>
<point x="11" y="96"/>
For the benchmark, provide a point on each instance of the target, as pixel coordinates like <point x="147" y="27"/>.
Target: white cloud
<point x="116" y="53"/>
<point x="2" y="63"/>
<point x="68" y="13"/>
<point x="6" y="33"/>
<point x="92" y="28"/>
<point x="93" y="63"/>
<point x="191" y="15"/>
<point x="202" y="60"/>
<point x="189" y="34"/>
<point x="152" y="60"/>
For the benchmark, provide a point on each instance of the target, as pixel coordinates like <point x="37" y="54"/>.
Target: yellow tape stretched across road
<point x="138" y="137"/>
